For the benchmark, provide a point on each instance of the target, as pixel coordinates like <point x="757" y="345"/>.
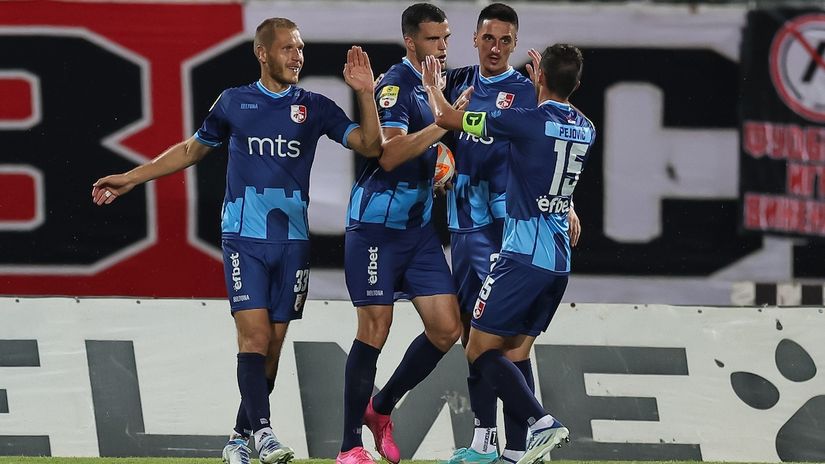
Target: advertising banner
<point x="632" y="382"/>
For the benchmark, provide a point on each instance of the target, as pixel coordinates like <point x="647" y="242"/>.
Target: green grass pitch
<point x="50" y="460"/>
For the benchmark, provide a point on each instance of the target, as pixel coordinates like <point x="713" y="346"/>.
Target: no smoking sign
<point x="797" y="65"/>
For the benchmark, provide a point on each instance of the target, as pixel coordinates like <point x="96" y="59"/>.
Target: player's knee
<point x="446" y="336"/>
<point x="377" y="325"/>
<point x="254" y="341"/>
<point x="374" y="332"/>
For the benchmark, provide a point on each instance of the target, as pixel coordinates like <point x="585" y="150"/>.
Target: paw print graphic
<point x="802" y="437"/>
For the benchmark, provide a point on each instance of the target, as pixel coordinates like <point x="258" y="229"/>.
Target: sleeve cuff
<point x="399" y="125"/>
<point x="206" y="142"/>
<point x="351" y="128"/>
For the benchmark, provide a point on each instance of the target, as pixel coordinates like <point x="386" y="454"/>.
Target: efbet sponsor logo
<point x="372" y="267"/>
<point x="553" y="205"/>
<point x="236" y="271"/>
<point x="278" y="146"/>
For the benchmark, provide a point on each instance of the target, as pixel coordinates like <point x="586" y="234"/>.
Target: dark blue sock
<point x="252" y="383"/>
<point x="515" y="430"/>
<point x="509" y="384"/>
<point x="359" y="379"/>
<point x="242" y="425"/>
<point x="483" y="399"/>
<point x="419" y="360"/>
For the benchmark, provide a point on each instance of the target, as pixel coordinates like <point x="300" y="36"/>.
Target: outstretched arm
<point x="367" y="138"/>
<point x="176" y="158"/>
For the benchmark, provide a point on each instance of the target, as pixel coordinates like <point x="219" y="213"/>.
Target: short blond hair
<point x="265" y="33"/>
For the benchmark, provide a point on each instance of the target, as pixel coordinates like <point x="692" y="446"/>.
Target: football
<point x="444" y="165"/>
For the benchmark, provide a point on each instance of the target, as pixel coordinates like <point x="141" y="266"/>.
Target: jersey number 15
<point x="564" y="180"/>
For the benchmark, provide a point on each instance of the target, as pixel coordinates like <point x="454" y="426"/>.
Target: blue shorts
<point x="383" y="265"/>
<point x="473" y="255"/>
<point x="517" y="299"/>
<point x="274" y="276"/>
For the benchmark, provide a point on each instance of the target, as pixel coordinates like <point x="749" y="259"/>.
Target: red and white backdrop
<point x="89" y="89"/>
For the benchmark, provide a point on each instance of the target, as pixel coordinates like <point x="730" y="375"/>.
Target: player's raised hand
<point x="431" y="73"/>
<point x="107" y="189"/>
<point x="534" y="69"/>
<point x="358" y="72"/>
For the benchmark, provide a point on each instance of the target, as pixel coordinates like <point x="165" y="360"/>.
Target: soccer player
<point x="549" y="148"/>
<point x="272" y="128"/>
<point x="392" y="248"/>
<point x="475" y="213"/>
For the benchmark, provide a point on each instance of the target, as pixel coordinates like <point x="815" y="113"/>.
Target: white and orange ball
<point x="444" y="165"/>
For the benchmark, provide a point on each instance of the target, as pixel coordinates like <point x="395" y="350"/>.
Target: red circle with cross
<point x="797" y="65"/>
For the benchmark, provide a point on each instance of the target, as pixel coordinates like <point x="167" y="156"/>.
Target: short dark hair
<point x="265" y="33"/>
<point x="420" y="13"/>
<point x="562" y="68"/>
<point x="500" y="12"/>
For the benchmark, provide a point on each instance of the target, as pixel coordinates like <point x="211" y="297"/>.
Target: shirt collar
<point x="496" y="78"/>
<point x="270" y="93"/>
<point x="564" y="106"/>
<point x="408" y="63"/>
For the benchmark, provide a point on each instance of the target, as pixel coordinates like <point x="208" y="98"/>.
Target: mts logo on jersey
<point x="298" y="113"/>
<point x="236" y="271"/>
<point x="372" y="267"/>
<point x="504" y="100"/>
<point x="554" y="205"/>
<point x="278" y="146"/>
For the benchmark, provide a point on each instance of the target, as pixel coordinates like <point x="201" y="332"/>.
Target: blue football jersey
<point x="402" y="198"/>
<point x="477" y="198"/>
<point x="548" y="149"/>
<point x="272" y="139"/>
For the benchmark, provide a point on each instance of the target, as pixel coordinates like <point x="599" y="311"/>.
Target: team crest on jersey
<point x="478" y="310"/>
<point x="388" y="96"/>
<point x="504" y="100"/>
<point x="298" y="113"/>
